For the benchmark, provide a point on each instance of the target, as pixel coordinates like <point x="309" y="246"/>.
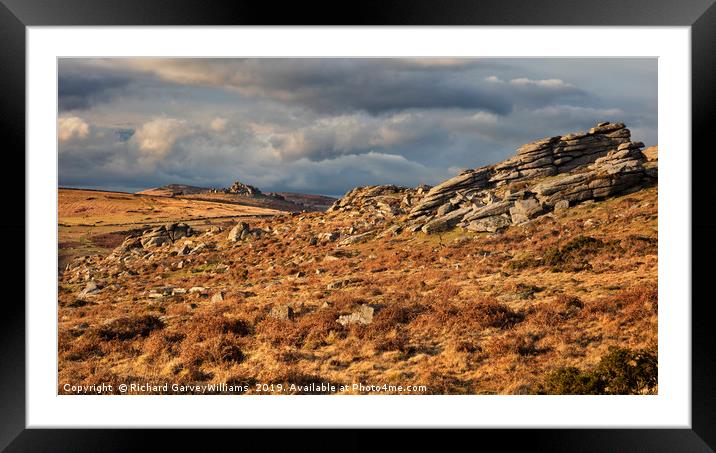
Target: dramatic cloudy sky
<point x="327" y="125"/>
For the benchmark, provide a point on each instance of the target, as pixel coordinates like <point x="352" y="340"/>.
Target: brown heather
<point x="460" y="312"/>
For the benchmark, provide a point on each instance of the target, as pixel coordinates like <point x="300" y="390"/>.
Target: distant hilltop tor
<point x="247" y="194"/>
<point x="170" y="190"/>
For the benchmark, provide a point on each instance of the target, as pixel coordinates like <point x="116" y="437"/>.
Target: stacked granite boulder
<point x="548" y="174"/>
<point x="379" y="201"/>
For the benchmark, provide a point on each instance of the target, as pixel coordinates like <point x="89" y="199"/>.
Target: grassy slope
<point x="462" y="312"/>
<point x="91" y="221"/>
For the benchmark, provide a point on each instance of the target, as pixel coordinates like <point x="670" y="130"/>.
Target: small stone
<point x="561" y="205"/>
<point x="236" y="233"/>
<point x="282" y="312"/>
<point x="341" y="283"/>
<point x="364" y="315"/>
<point x="489" y="224"/>
<point x="91" y="288"/>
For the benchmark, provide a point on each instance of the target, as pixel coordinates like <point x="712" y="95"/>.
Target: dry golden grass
<point x="91" y="221"/>
<point x="457" y="312"/>
<point x="89" y="207"/>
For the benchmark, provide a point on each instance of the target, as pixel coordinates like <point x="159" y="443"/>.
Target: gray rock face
<point x="493" y="209"/>
<point x="616" y="172"/>
<point x="546" y="157"/>
<point x="568" y="169"/>
<point x="446" y="222"/>
<point x="363" y="315"/>
<point x="444" y="209"/>
<point x="158" y="236"/>
<point x="441" y="194"/>
<point x="388" y="199"/>
<point x="357" y="238"/>
<point x="490" y="224"/>
<point x="561" y="205"/>
<point x="524" y="210"/>
<point x="176" y="231"/>
<point x="129" y="244"/>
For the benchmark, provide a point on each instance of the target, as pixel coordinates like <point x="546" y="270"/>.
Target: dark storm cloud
<point x="338" y="86"/>
<point x="76" y="91"/>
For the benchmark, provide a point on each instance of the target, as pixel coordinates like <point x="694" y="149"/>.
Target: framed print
<point x="422" y="219"/>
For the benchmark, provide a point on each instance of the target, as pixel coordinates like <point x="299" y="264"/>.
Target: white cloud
<point x="544" y="83"/>
<point x="218" y="124"/>
<point x="344" y="134"/>
<point x="526" y="82"/>
<point x="156" y="137"/>
<point x="70" y="127"/>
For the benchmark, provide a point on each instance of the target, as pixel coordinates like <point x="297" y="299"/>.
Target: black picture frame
<point x="700" y="15"/>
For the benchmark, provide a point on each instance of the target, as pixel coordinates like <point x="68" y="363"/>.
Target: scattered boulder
<point x="329" y="237"/>
<point x="490" y="224"/>
<point x="355" y="239"/>
<point x="341" y="283"/>
<point x="155" y="237"/>
<point x="91" y="288"/>
<point x="339" y="254"/>
<point x="524" y="210"/>
<point x="363" y="315"/>
<point x="176" y="231"/>
<point x="218" y="297"/>
<point x="238" y="232"/>
<point x="281" y="312"/>
<point x="129" y="244"/>
<point x="561" y="205"/>
<point x="184" y="249"/>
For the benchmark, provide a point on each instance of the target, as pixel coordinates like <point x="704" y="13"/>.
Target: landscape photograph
<point x="357" y="226"/>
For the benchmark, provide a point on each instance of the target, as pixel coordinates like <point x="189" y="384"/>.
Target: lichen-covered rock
<point x="446" y="222"/>
<point x="490" y="224"/>
<point x="543" y="158"/>
<point x="363" y="315"/>
<point x="281" y="312"/>
<point x="441" y="194"/>
<point x="238" y="232"/>
<point x="524" y="210"/>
